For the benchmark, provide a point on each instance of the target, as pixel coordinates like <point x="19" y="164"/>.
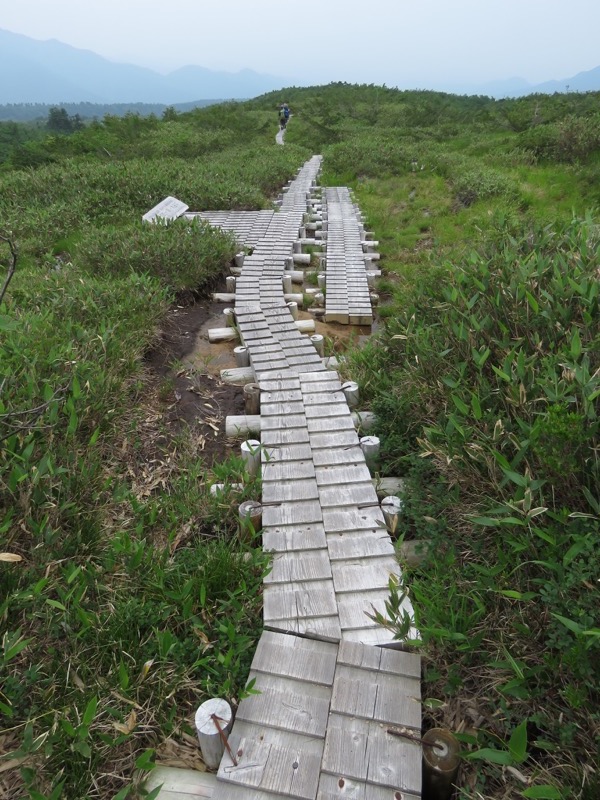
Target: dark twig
<point x="216" y="719"/>
<point x="11" y="267"/>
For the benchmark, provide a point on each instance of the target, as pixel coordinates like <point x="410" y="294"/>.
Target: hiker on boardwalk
<point x="284" y="115"/>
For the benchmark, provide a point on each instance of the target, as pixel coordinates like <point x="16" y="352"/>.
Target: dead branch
<point x="12" y="265"/>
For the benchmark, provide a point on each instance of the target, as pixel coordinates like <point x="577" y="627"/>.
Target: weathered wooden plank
<point x="283" y="396"/>
<point x="344" y="438"/>
<point x="352" y="519"/>
<point x="287" y="471"/>
<point x="337" y="787"/>
<point x="287" y="538"/>
<point x="364" y="544"/>
<point x="391" y="699"/>
<point x="382" y="660"/>
<point x="282" y="422"/>
<point x="331" y="424"/>
<point x="354" y="608"/>
<point x="347" y="455"/>
<point x="357" y="472"/>
<point x="365" y="751"/>
<point x="299" y="600"/>
<point x="280" y="491"/>
<point x="304" y="566"/>
<point x="286" y="452"/>
<point x="304" y="659"/>
<point x="287" y="704"/>
<point x="285" y="436"/>
<point x="363" y="575"/>
<point x="180" y="783"/>
<point x="278" y="384"/>
<point x="270" y="409"/>
<point x="332" y="396"/>
<point x="326" y="629"/>
<point x="354" y="494"/>
<point x="292" y="513"/>
<point x="315" y="410"/>
<point x="273" y="761"/>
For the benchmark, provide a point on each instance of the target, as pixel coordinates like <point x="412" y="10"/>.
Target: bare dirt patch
<point x="186" y="369"/>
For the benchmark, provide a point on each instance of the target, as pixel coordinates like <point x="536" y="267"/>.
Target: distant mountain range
<point x="518" y="87"/>
<point x="53" y="72"/>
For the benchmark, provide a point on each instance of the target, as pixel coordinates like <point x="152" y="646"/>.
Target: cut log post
<point x="296" y="275"/>
<point x="214" y="720"/>
<point x="374" y="298"/>
<point x="222" y="335"/>
<point x="230" y="283"/>
<point x="250" y="451"/>
<point x="391" y="506"/>
<point x="319" y="342"/>
<point x="237" y="376"/>
<point x="371" y="279"/>
<point x="252" y="398"/>
<point x="321" y="280"/>
<point x="239" y="259"/>
<point x="224" y="297"/>
<point x="305" y="325"/>
<point x="370" y="447"/>
<point x="250" y="519"/>
<point x="319" y="299"/>
<point x="364" y="420"/>
<point x="235" y="271"/>
<point x="293" y="308"/>
<point x="242" y="359"/>
<point x="441" y="759"/>
<point x="413" y="551"/>
<point x="387" y="486"/>
<point x="301" y="258"/>
<point x="350" y="390"/>
<point x="242" y="425"/>
<point x="297" y="247"/>
<point x="286" y="282"/>
<point x="229" y="314"/>
<point x="294" y="297"/>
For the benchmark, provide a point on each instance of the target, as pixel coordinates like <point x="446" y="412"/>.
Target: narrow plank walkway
<point x="331" y="683"/>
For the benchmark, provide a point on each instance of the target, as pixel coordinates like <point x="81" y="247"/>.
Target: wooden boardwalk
<point x="331" y="683"/>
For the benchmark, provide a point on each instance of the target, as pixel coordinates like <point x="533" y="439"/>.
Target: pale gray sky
<point x="406" y="43"/>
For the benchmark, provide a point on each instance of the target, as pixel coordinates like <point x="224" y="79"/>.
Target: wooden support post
<point x="252" y="398"/>
<point x="230" y="283"/>
<point x="391" y="506"/>
<point x="250" y="519"/>
<point x="239" y="259"/>
<point x="250" y="451"/>
<point x="350" y="390"/>
<point x="319" y="342"/>
<point x="441" y="760"/>
<point x="321" y="280"/>
<point x="370" y="447"/>
<point x="222" y="335"/>
<point x="364" y="420"/>
<point x="293" y="308"/>
<point x="214" y="720"/>
<point x="229" y="314"/>
<point x="242" y="359"/>
<point x="242" y="425"/>
<point x="286" y="281"/>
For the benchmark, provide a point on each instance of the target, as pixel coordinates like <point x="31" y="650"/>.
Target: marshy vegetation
<point x="132" y="598"/>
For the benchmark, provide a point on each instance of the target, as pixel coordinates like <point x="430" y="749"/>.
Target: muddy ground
<point x="187" y="369"/>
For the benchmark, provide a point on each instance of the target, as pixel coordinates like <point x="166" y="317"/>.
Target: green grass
<point x="133" y="599"/>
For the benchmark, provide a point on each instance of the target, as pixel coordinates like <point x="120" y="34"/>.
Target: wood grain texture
<point x="390" y="699"/>
<point x="299" y="600"/>
<point x="359" y="575"/>
<point x="354" y="494"/>
<point x="325" y="629"/>
<point x="292" y="513"/>
<point x="356" y="472"/>
<point x="279" y="491"/>
<point x="363" y="544"/>
<point x="286" y="538"/>
<point x="312" y="565"/>
<point x="181" y="784"/>
<point x="366" y="752"/>
<point x="287" y="704"/>
<point x="339" y="787"/>
<point x="291" y="656"/>
<point x="273" y="761"/>
<point x="382" y="660"/>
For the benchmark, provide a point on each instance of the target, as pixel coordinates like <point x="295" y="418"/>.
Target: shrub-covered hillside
<point x="126" y="596"/>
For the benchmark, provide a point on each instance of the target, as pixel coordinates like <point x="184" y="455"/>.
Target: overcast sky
<point x="405" y="43"/>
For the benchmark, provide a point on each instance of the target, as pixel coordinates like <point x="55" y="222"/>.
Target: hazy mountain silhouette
<point x="53" y="72"/>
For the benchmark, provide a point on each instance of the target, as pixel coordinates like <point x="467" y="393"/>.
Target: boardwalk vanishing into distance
<point x="330" y="682"/>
